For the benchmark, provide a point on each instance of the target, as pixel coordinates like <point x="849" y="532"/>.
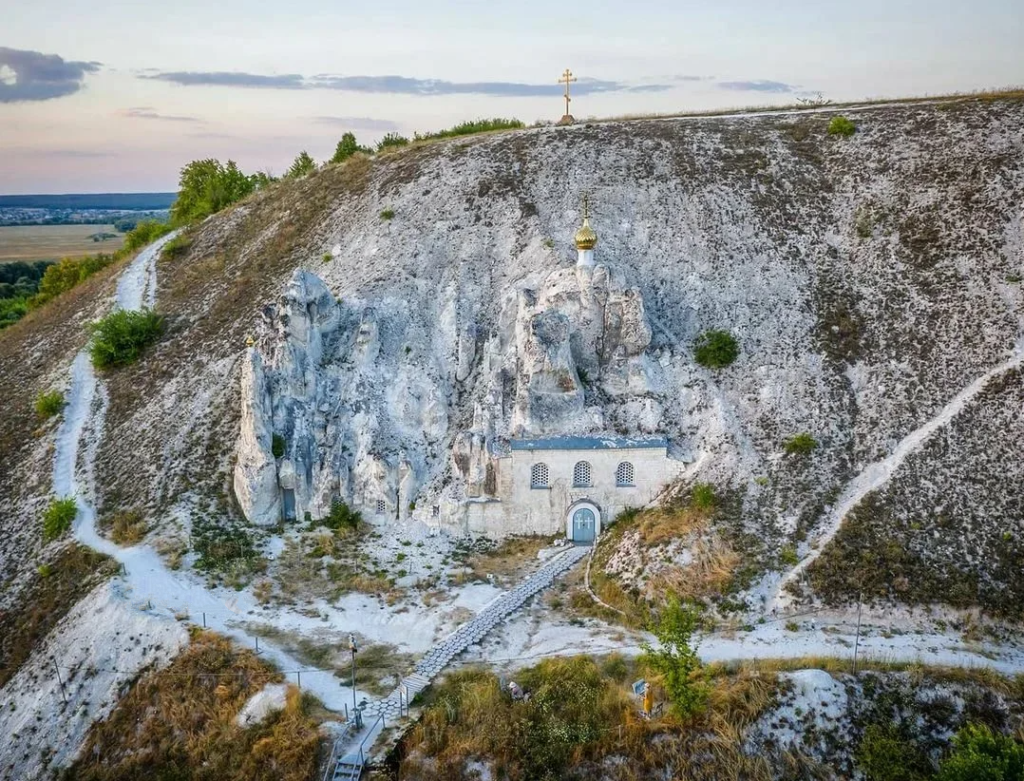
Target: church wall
<point x="526" y="510"/>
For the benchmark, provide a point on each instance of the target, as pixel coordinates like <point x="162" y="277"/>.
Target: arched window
<point x="624" y="474"/>
<point x="539" y="476"/>
<point x="581" y="475"/>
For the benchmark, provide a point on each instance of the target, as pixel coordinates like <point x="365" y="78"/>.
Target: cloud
<point x="756" y="86"/>
<point x="145" y="112"/>
<point x="357" y="123"/>
<point x="32" y="76"/>
<point x="404" y="85"/>
<point x="227" y="79"/>
<point x="395" y="85"/>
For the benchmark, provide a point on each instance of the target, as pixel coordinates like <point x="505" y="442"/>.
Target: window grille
<point x="624" y="474"/>
<point x="581" y="475"/>
<point x="437" y="510"/>
<point x="382" y="506"/>
<point x="539" y="476"/>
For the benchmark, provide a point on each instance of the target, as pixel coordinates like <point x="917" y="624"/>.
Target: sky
<point x="116" y="96"/>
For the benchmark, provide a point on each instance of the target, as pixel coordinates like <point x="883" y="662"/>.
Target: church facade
<point x="539" y="480"/>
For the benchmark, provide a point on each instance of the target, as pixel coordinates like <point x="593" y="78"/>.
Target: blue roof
<point x="588" y="443"/>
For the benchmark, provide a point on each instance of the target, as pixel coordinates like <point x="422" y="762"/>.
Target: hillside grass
<point x="180" y="723"/>
<point x="53" y="589"/>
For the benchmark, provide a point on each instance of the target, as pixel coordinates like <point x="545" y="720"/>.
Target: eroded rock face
<point x="342" y="389"/>
<point x="361" y="396"/>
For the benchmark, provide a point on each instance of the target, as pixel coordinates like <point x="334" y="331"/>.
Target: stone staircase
<point x="352" y="757"/>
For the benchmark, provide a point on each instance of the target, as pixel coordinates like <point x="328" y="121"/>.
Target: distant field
<point x="50" y="242"/>
<point x="132" y="201"/>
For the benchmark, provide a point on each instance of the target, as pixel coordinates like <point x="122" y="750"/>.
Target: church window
<point x="624" y="474"/>
<point x="581" y="475"/>
<point x="539" y="476"/>
<point x="382" y="506"/>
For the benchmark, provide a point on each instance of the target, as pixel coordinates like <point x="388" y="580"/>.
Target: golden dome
<point x="585" y="237"/>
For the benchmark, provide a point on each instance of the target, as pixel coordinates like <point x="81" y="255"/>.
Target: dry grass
<point x="50" y="242"/>
<point x="710" y="573"/>
<point x="52" y="593"/>
<point x="180" y="723"/>
<point x="582" y="722"/>
<point x="127" y="527"/>
<point x="510" y="560"/>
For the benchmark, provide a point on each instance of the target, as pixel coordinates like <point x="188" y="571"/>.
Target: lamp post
<point x="355" y="710"/>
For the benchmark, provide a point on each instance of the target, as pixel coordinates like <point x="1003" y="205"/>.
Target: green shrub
<point x="303" y="165"/>
<point x="326" y="257"/>
<point x="886" y="755"/>
<point x="387" y="214"/>
<point x="69" y="272"/>
<point x="675" y="660"/>
<point x="801" y="444"/>
<point x="144" y="234"/>
<point x="347" y="147"/>
<point x="49" y="403"/>
<point x="788" y="556"/>
<point x="342" y="517"/>
<point x="206" y="187"/>
<point x="44" y="570"/>
<point x="979" y="754"/>
<point x="703" y="497"/>
<point x="841" y="126"/>
<point x="391" y="141"/>
<point x="58" y="517"/>
<point x="715" y="349"/>
<point x="176" y="247"/>
<point x="119" y="338"/>
<point x="471" y="127"/>
<point x="277" y="445"/>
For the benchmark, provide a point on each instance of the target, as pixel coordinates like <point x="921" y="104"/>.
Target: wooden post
<point x="63" y="693"/>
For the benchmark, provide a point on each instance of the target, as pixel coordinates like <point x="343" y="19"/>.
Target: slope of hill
<point x="873" y="284"/>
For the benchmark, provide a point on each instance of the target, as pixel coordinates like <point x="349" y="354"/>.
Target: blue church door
<point x="584" y="525"/>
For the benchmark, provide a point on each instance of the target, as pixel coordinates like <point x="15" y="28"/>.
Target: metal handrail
<point x="369" y="732"/>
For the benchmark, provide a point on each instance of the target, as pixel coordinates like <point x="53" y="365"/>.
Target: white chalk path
<point x="876" y="475"/>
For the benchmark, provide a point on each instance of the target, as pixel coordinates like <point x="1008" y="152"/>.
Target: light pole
<point x="355" y="710"/>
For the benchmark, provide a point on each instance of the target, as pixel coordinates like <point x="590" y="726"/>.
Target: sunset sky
<point x="108" y="95"/>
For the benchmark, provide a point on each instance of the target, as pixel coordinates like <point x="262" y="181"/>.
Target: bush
<point x="841" y="126"/>
<point x="979" y="754"/>
<point x="347" y="147"/>
<point x="176" y="247"/>
<point x="277" y="446"/>
<point x="304" y="165"/>
<point x="801" y="444"/>
<point x="144" y="234"/>
<point x="58" y="517"/>
<point x="127" y="527"/>
<point x="715" y="349"/>
<point x="703" y="497"/>
<point x="342" y="517"/>
<point x="387" y="214"/>
<point x="120" y="337"/>
<point x="675" y="660"/>
<point x="69" y="272"/>
<point x="49" y="403"/>
<point x="391" y="141"/>
<point x="471" y="127"/>
<point x="886" y="755"/>
<point x="206" y="187"/>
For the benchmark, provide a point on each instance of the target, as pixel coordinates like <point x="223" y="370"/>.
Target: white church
<point x="554" y="483"/>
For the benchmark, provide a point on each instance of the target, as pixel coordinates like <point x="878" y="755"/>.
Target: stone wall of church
<point x="522" y="509"/>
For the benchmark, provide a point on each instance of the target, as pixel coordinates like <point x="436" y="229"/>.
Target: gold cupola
<point x="585" y="237"/>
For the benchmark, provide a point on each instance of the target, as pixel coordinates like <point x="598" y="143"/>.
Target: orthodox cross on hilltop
<point x="567" y="79"/>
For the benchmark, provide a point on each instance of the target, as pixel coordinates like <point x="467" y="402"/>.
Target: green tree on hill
<point x="347" y="147"/>
<point x="304" y="165"/>
<point x="206" y="187"/>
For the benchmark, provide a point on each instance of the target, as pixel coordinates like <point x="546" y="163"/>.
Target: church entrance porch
<point x="583" y="522"/>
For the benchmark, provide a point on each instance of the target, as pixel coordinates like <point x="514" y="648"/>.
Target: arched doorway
<point x="583" y="522"/>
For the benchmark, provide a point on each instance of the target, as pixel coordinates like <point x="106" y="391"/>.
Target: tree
<point x="206" y="187"/>
<point x="303" y="166"/>
<point x="675" y="660"/>
<point x="979" y="754"/>
<point x="347" y="147"/>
